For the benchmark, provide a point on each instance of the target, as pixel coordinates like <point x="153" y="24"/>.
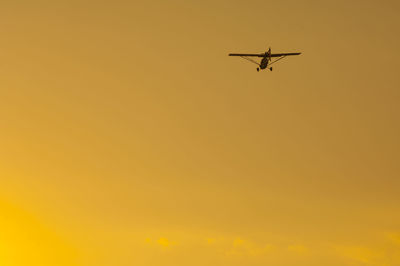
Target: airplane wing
<point x="284" y="54"/>
<point x="263" y="54"/>
<point x="258" y="55"/>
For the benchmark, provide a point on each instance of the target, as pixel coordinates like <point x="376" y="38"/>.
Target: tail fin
<point x="269" y="54"/>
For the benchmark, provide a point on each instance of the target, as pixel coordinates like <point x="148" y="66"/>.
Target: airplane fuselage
<point x="264" y="62"/>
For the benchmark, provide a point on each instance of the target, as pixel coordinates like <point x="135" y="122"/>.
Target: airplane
<point x="266" y="58"/>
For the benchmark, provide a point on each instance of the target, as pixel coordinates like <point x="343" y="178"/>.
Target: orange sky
<point x="129" y="137"/>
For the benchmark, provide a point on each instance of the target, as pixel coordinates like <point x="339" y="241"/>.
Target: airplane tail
<point x="269" y="54"/>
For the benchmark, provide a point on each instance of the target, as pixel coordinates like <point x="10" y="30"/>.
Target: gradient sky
<point x="129" y="137"/>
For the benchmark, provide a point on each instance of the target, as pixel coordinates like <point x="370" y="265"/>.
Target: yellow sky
<point x="129" y="137"/>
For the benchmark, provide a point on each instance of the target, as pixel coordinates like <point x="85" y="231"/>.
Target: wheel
<point x="258" y="69"/>
<point x="270" y="68"/>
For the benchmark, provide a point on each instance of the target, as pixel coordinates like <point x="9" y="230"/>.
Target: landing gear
<point x="270" y="68"/>
<point x="258" y="69"/>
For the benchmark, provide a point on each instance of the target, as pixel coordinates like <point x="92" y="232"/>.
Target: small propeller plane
<point x="266" y="58"/>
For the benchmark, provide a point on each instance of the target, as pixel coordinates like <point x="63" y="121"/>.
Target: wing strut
<point x="251" y="60"/>
<point x="276" y="60"/>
